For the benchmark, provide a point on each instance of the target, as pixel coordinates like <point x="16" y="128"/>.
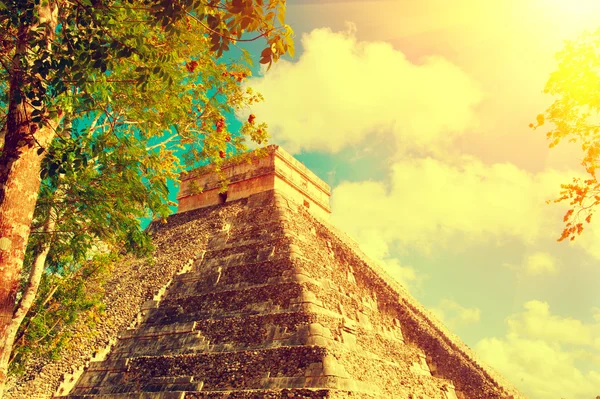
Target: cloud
<point x="429" y="202"/>
<point x="538" y="322"/>
<point x="341" y="90"/>
<point x="588" y="240"/>
<point x="375" y="247"/>
<point x="541" y="353"/>
<point x="535" y="264"/>
<point x="540" y="263"/>
<point x="596" y="313"/>
<point x="540" y="369"/>
<point x="452" y="314"/>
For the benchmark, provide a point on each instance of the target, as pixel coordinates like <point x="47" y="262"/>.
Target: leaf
<point x="245" y="22"/>
<point x="540" y="119"/>
<point x="266" y="53"/>
<point x="236" y="6"/>
<point x="281" y="16"/>
<point x="212" y="21"/>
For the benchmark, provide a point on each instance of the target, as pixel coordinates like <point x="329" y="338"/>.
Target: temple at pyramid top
<point x="271" y="169"/>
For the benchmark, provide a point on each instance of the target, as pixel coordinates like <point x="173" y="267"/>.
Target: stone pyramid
<point x="279" y="304"/>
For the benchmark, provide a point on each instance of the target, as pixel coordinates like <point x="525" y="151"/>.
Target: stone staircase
<point x="270" y="310"/>
<point x="253" y="319"/>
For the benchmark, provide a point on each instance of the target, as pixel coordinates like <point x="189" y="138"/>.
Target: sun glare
<point x="587" y="9"/>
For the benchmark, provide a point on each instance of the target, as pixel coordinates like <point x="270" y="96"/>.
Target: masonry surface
<point x="262" y="298"/>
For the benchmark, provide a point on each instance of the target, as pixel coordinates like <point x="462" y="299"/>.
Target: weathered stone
<point x="256" y="298"/>
<point x="275" y="170"/>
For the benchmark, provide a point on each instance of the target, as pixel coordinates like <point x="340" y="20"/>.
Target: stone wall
<point x="270" y="169"/>
<point x="447" y="356"/>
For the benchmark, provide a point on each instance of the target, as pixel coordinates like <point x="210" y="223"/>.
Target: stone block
<point x="420" y="367"/>
<point x="318" y="341"/>
<point x="308" y="297"/>
<point x="349" y="339"/>
<point x="363" y="321"/>
<point x="108" y="365"/>
<point x="314" y="370"/>
<point x="449" y="391"/>
<point x="331" y="367"/>
<point x="150" y="304"/>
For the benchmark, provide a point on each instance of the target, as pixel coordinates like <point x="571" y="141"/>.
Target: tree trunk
<point x="30" y="293"/>
<point x="20" y="163"/>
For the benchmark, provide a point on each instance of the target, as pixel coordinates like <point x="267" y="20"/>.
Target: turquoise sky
<point x="416" y="114"/>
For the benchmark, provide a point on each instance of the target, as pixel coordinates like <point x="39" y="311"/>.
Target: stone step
<point x="227" y="277"/>
<point x="151" y="332"/>
<point x="137" y="395"/>
<point x="301" y="393"/>
<point x="253" y="300"/>
<point x="304" y="393"/>
<point x="249" y="253"/>
<point x="111" y="377"/>
<point x="263" y="332"/>
<point x="225" y="334"/>
<point x="236" y="278"/>
<point x="291" y="292"/>
<point x="253" y="233"/>
<point x="284" y="367"/>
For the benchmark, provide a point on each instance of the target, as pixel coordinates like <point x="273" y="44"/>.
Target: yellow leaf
<point x="540" y="119"/>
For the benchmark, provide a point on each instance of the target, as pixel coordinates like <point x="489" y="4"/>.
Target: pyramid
<point x="278" y="303"/>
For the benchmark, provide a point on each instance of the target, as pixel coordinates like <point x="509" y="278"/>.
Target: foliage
<point x="138" y="53"/>
<point x="70" y="292"/>
<point x="576" y="116"/>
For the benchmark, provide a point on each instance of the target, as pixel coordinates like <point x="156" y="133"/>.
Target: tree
<point x="575" y="115"/>
<point x="143" y="70"/>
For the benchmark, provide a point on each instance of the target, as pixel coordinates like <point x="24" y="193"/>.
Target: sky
<point x="416" y="113"/>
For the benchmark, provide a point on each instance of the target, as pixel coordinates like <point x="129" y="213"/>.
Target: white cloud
<point x="540" y="263"/>
<point x="429" y="202"/>
<point x="538" y="322"/>
<point x="540" y="369"/>
<point x="340" y="90"/>
<point x="535" y="264"/>
<point x="452" y="314"/>
<point x="405" y="275"/>
<point x="541" y="351"/>
<point x="375" y="247"/>
<point x="596" y="313"/>
<point x="588" y="240"/>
